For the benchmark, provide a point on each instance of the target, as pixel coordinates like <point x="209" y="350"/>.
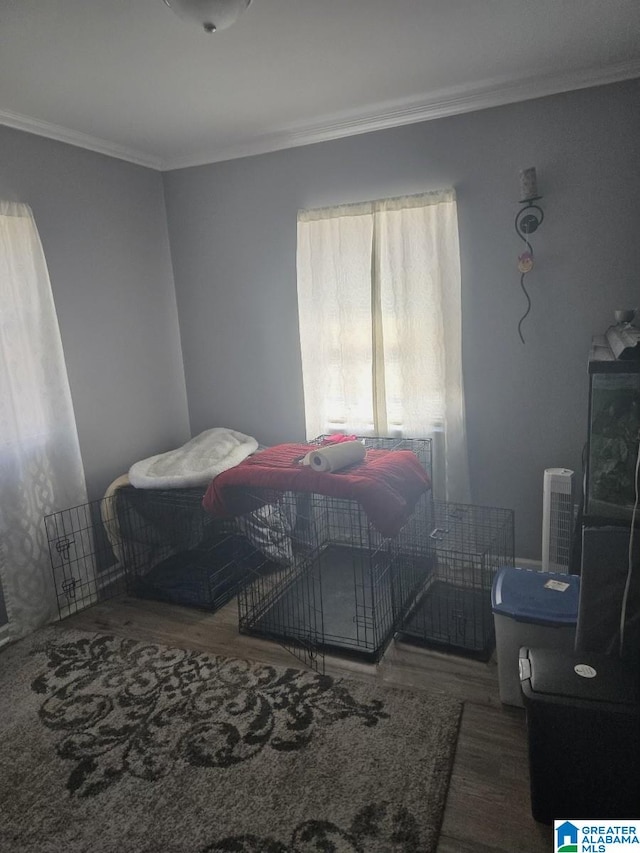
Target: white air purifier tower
<point x="557" y="520"/>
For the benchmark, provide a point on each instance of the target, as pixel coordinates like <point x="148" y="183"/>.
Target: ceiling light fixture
<point x="212" y="15"/>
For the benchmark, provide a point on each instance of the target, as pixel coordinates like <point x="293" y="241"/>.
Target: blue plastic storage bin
<point x="532" y="609"/>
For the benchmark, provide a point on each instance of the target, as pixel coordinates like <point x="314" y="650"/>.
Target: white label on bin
<point x="559" y="586"/>
<point x="584" y="670"/>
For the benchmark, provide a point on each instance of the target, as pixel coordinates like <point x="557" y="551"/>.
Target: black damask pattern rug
<point x="110" y="744"/>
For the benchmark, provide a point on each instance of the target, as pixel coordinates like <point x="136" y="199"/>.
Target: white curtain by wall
<point x="40" y="464"/>
<point x="380" y="325"/>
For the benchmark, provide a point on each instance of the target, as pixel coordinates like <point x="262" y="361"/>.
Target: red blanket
<point x="387" y="483"/>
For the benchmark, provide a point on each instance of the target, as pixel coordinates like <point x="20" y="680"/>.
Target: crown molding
<point x="448" y="102"/>
<point x="80" y="140"/>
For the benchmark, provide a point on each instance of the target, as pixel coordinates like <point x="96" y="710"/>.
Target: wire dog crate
<point x="470" y="543"/>
<point x="157" y="544"/>
<point x="161" y="544"/>
<point x="347" y="587"/>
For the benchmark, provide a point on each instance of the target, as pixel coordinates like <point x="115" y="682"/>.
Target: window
<point x="380" y="322"/>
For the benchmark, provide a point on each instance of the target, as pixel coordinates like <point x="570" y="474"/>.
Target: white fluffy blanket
<point x="196" y="463"/>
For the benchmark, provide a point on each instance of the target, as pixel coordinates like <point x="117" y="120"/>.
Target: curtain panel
<point x="40" y="463"/>
<point x="379" y="302"/>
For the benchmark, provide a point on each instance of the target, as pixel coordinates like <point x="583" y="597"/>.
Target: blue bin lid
<point x="543" y="598"/>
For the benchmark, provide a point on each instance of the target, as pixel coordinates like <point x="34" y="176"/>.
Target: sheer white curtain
<point x="40" y="464"/>
<point x="380" y="325"/>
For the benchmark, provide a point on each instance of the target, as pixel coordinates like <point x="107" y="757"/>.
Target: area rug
<point x="109" y="744"/>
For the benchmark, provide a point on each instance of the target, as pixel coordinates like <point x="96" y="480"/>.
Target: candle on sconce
<point x="528" y="184"/>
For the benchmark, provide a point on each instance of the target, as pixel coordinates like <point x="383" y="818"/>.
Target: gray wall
<point x="103" y="227"/>
<point x="233" y="236"/>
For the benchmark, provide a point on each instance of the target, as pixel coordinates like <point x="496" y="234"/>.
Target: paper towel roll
<point x="335" y="456"/>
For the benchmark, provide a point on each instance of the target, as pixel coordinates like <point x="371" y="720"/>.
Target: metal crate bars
<point x="81" y="557"/>
<point x="346" y="588"/>
<point x="422" y="447"/>
<point x="161" y="544"/>
<point x="470" y="543"/>
<point x="157" y="544"/>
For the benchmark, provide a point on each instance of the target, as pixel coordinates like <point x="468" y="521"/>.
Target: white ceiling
<point x="131" y="79"/>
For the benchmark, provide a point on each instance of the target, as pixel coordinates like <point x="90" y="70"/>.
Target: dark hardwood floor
<point x="488" y="807"/>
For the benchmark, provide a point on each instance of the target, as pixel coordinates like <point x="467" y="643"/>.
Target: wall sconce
<point x="528" y="220"/>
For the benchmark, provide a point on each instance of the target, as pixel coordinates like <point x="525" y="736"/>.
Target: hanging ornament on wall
<point x="525" y="262"/>
<point x="528" y="220"/>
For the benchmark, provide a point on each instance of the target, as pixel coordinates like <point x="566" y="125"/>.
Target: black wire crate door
<point x="294" y="618"/>
<point x="470" y="544"/>
<point x="84" y="567"/>
<point x="280" y="598"/>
